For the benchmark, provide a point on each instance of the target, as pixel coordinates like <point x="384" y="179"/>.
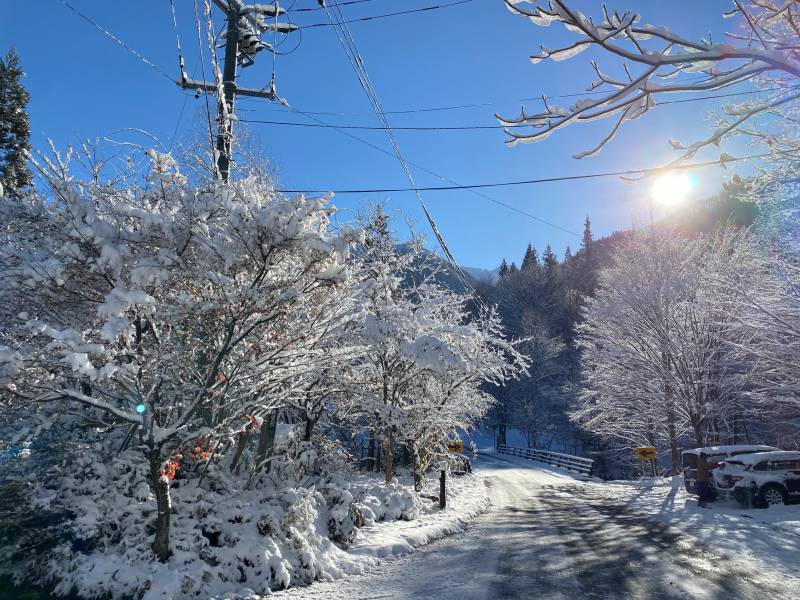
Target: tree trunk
<point x="673" y="441"/>
<point x="418" y="467"/>
<point x="159" y="484"/>
<point x="697" y="427"/>
<point x="310" y="424"/>
<point x="266" y="438"/>
<point x="371" y="451"/>
<point x="388" y="453"/>
<point x="501" y="434"/>
<point x="241" y="444"/>
<point x="673" y="444"/>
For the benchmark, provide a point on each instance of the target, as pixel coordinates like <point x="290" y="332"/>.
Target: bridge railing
<point x="565" y="461"/>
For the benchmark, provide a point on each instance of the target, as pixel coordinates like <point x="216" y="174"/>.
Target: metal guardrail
<point x="565" y="461"/>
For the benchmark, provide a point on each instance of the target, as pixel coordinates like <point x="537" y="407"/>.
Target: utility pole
<point x="239" y="50"/>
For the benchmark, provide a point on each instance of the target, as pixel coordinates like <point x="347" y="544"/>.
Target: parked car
<point x="762" y="479"/>
<point x="714" y="455"/>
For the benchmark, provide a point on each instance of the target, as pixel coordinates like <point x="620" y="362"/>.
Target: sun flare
<point x="672" y="188"/>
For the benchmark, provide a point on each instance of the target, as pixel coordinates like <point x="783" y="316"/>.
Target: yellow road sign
<point x="646" y="453"/>
<point x="455" y="446"/>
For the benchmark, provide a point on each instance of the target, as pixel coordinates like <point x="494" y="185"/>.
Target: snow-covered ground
<point x="769" y="538"/>
<point x="551" y="535"/>
<point x="467" y="497"/>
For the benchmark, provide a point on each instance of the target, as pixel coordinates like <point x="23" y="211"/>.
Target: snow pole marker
<point x="443" y="484"/>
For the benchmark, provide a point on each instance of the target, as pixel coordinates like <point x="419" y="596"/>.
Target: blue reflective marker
<point x="140" y="408"/>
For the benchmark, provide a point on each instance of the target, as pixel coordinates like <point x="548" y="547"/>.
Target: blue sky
<point x="84" y="86"/>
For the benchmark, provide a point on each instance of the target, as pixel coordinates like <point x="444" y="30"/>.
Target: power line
<point x="548" y="97"/>
<point x="437" y="175"/>
<point x="203" y="72"/>
<point x="441" y="188"/>
<point x="118" y="41"/>
<point x="380" y="128"/>
<point x="348" y="44"/>
<point x="467" y="127"/>
<point x="322" y="7"/>
<point x="385" y="15"/>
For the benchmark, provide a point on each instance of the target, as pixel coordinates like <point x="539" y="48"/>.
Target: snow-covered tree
<point x="427" y="352"/>
<point x="539" y="401"/>
<point x="167" y="310"/>
<point x="659" y="340"/>
<point x="765" y="286"/>
<point x="652" y="62"/>
<point x="15" y="129"/>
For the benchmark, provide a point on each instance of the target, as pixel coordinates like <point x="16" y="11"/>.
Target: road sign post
<point x="649" y="454"/>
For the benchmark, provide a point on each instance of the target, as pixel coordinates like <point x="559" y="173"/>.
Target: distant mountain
<point x="487" y="275"/>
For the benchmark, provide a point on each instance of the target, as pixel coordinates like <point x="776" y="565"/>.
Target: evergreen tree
<point x="568" y="256"/>
<point x="588" y="263"/>
<point x="513" y="270"/>
<point x="15" y="129"/>
<point x="503" y="268"/>
<point x="550" y="261"/>
<point x="531" y="259"/>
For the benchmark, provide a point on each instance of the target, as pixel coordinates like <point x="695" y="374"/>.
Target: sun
<point x="672" y="188"/>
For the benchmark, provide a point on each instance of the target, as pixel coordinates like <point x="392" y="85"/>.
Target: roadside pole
<point x="443" y="484"/>
<point x="237" y="13"/>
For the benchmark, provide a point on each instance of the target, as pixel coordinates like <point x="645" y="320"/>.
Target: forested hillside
<point x="546" y="300"/>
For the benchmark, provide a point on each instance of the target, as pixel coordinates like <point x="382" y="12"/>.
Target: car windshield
<point x="690" y="460"/>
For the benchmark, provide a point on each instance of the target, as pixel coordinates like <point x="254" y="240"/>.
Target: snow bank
<point x="675" y="503"/>
<point x="467" y="497"/>
<point x="769" y="538"/>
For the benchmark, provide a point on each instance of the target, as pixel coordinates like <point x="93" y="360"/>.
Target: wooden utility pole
<point x="237" y="15"/>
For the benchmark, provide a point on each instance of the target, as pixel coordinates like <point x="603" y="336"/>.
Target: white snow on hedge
<point x="467" y="497"/>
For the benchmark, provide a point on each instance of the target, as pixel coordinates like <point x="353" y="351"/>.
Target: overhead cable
<point x="441" y="188"/>
<point x="385" y="15"/>
<point x="118" y="41"/>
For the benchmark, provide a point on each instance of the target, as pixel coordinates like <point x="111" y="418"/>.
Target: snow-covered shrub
<point x="224" y="536"/>
<point x="344" y="516"/>
<point x="389" y="502"/>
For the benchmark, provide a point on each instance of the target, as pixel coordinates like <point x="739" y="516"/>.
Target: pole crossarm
<point x="245" y="24"/>
<point x="193" y="84"/>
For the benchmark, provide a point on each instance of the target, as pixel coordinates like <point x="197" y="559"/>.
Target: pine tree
<point x="15" y="129"/>
<point x="503" y="268"/>
<point x="588" y="263"/>
<point x="549" y="259"/>
<point x="531" y="259"/>
<point x="513" y="270"/>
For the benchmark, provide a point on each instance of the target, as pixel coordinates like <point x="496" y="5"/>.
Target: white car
<point x="714" y="455"/>
<point x="761" y="479"/>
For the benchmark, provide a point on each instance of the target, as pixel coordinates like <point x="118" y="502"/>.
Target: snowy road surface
<point x="548" y="536"/>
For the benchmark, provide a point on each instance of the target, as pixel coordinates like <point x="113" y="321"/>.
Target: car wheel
<point x="771" y="495"/>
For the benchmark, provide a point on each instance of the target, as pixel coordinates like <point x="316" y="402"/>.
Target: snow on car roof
<point x="731" y="448"/>
<point x="757" y="457"/>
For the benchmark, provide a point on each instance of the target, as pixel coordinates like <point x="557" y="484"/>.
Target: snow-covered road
<point x="548" y="536"/>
